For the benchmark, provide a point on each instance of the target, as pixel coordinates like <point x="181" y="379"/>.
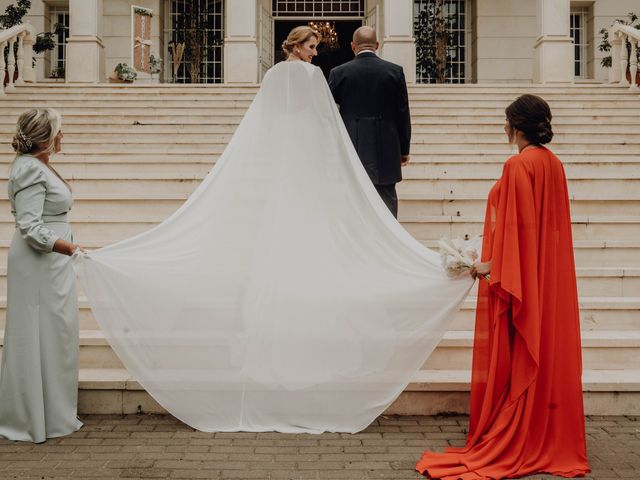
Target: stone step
<point x="491" y="163"/>
<point x="199" y="118"/>
<point x="416" y="170"/>
<point x="95" y="109"/>
<point x="412" y="173"/>
<point x="459" y="160"/>
<point x="242" y="102"/>
<point x="431" y="392"/>
<point x="605" y="350"/>
<point x="419" y="136"/>
<point x="596" y="314"/>
<point x="610" y="282"/>
<point x="418" y="205"/>
<point x="130" y="207"/>
<point x="443" y="171"/>
<point x="476" y="90"/>
<point x="471" y="186"/>
<point x="208" y="128"/>
<point x="592" y="227"/>
<point x="588" y="253"/>
<point x="593" y="380"/>
<point x="604" y="282"/>
<point x="416" y="92"/>
<point x="208" y="146"/>
<point x="166" y="89"/>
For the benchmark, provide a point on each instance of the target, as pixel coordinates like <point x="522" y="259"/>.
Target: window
<point x="455" y="15"/>
<point x="326" y="8"/>
<point x="60" y="27"/>
<point x="578" y="32"/>
<point x="199" y="25"/>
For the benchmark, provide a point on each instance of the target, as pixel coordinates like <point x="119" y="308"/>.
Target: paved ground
<point x="155" y="446"/>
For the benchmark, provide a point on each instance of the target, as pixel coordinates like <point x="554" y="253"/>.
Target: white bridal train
<point x="282" y="295"/>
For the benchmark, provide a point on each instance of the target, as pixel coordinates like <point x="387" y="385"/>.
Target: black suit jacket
<point x="372" y="94"/>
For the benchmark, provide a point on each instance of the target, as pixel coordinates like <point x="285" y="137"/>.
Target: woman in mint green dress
<point x="39" y="374"/>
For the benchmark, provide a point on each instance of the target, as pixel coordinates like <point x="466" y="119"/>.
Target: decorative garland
<point x="143" y="11"/>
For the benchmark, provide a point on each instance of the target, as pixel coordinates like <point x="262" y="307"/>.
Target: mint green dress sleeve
<point x="28" y="185"/>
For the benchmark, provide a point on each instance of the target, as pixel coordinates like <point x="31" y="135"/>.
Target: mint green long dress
<point x="39" y="374"/>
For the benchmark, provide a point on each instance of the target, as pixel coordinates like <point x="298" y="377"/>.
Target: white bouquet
<point x="458" y="256"/>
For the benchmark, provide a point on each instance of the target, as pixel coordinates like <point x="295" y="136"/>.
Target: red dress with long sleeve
<point x="527" y="413"/>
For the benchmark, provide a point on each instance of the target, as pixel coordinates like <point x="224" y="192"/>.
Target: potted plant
<point x="605" y="45"/>
<point x="57" y="73"/>
<point x="155" y="64"/>
<point x="123" y="73"/>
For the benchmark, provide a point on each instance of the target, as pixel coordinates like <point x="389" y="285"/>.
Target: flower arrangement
<point x="125" y="73"/>
<point x="458" y="256"/>
<point x="155" y="63"/>
<point x="143" y="11"/>
<point x="58" y="72"/>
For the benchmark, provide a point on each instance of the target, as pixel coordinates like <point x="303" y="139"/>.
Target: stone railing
<point x="618" y="36"/>
<point x="17" y="68"/>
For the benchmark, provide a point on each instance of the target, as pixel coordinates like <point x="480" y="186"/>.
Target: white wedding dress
<point x="282" y="295"/>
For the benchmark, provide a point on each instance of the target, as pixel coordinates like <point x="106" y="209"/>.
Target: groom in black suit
<point x="372" y="95"/>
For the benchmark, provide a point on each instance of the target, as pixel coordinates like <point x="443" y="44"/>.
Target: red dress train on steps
<point x="527" y="413"/>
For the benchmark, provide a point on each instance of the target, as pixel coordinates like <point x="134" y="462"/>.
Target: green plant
<point x="155" y="63"/>
<point x="46" y="41"/>
<point x="432" y="39"/>
<point x="143" y="11"/>
<point x="58" y="72"/>
<point x="13" y="15"/>
<point x="125" y="72"/>
<point x="605" y="45"/>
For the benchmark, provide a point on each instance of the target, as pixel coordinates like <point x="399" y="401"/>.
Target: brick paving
<point x="157" y="446"/>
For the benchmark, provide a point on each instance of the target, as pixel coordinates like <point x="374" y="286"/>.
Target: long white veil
<point x="282" y="295"/>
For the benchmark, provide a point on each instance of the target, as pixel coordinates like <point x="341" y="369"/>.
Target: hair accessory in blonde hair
<point x="27" y="141"/>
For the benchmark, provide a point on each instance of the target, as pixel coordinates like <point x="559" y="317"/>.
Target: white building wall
<point x="501" y="46"/>
<point x="504" y="34"/>
<point x="117" y="30"/>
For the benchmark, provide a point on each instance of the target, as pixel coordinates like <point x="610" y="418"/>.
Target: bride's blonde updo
<point x="36" y="131"/>
<point x="298" y="36"/>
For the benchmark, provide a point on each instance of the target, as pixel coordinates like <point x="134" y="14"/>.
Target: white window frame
<point x="578" y="22"/>
<point x="54" y="11"/>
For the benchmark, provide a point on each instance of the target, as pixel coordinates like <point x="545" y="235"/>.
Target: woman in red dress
<point x="527" y="415"/>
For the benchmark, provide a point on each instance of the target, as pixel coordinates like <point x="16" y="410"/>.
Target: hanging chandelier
<point x="327" y="31"/>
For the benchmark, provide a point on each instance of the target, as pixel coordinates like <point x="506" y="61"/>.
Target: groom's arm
<point x="404" y="117"/>
<point x="333" y="86"/>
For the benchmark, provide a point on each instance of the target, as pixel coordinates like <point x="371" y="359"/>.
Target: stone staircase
<point x="133" y="154"/>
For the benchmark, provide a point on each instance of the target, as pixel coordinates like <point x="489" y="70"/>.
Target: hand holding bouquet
<point x="459" y="256"/>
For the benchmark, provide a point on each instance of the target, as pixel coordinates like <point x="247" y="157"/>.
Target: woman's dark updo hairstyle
<point x="532" y="116"/>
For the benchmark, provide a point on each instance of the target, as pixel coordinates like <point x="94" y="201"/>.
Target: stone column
<point x="85" y="50"/>
<point x="240" y="42"/>
<point x="398" y="43"/>
<point x="553" y="49"/>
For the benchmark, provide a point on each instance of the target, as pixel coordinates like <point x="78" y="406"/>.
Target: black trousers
<point x="389" y="196"/>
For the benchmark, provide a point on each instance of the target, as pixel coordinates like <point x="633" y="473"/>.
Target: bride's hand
<point x="480" y="269"/>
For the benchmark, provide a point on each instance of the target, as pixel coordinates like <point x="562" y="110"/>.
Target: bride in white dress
<point x="283" y="295"/>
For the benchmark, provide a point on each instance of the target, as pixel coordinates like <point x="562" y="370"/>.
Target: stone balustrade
<point x="619" y="35"/>
<point x="19" y="60"/>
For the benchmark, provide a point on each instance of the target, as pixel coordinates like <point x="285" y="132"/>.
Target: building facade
<point x="488" y="41"/>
